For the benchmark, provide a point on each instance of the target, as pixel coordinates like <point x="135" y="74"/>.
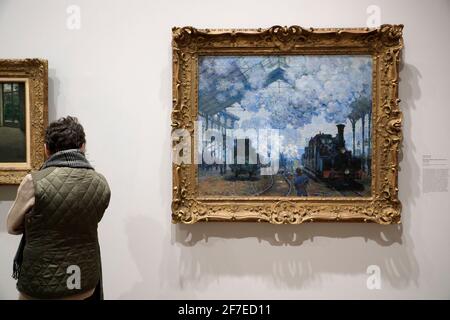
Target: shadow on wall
<point x="281" y="256"/>
<point x="53" y="93"/>
<point x="410" y="171"/>
<point x="204" y="258"/>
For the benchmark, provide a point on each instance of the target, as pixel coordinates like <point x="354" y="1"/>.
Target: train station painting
<point x="286" y="124"/>
<point x="319" y="109"/>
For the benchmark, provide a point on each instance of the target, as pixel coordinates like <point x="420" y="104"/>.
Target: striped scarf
<point x="73" y="158"/>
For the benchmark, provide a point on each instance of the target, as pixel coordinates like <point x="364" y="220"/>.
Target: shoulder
<point x="104" y="190"/>
<point x="41" y="174"/>
<point x="25" y="192"/>
<point x="28" y="179"/>
<point x="103" y="181"/>
<point x="100" y="176"/>
<point x="27" y="182"/>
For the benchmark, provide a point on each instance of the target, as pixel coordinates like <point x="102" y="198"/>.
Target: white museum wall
<point x="114" y="74"/>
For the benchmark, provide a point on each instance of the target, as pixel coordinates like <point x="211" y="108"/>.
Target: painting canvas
<point x="12" y="122"/>
<point x="311" y="114"/>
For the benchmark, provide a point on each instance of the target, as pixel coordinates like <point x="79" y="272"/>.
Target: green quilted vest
<point x="61" y="232"/>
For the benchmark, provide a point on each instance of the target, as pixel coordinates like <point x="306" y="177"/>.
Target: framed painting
<point x="286" y="124"/>
<point x="23" y="117"/>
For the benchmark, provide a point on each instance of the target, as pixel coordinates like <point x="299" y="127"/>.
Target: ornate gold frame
<point x="34" y="72"/>
<point x="383" y="44"/>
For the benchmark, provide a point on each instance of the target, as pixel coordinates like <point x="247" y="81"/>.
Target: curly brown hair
<point x="63" y="134"/>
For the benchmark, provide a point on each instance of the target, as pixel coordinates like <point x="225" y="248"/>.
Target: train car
<point x="326" y="158"/>
<point x="248" y="164"/>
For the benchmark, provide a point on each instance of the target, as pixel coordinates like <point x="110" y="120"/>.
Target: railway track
<point x="270" y="186"/>
<point x="274" y="188"/>
<point x="255" y="192"/>
<point x="289" y="182"/>
<point x="275" y="179"/>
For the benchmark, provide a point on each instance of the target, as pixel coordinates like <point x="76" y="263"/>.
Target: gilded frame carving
<point x="384" y="44"/>
<point x="34" y="72"/>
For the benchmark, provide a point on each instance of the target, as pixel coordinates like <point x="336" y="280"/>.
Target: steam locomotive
<point x="326" y="158"/>
<point x="247" y="162"/>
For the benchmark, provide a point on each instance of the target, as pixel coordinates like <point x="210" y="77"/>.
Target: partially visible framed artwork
<point x="23" y="117"/>
<point x="286" y="124"/>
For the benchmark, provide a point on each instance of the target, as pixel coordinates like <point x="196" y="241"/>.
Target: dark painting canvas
<point x="12" y="122"/>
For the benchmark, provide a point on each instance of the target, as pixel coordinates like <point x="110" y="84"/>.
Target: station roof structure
<point x="273" y="69"/>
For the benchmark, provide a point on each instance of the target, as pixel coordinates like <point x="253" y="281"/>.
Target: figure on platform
<point x="300" y="183"/>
